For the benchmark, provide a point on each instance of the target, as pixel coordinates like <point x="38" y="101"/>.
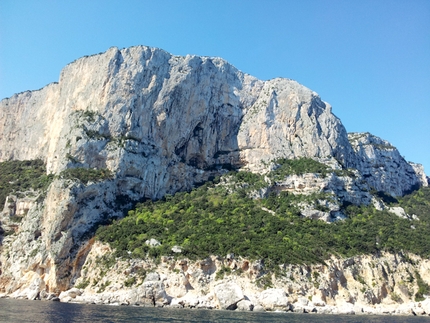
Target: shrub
<point x="222" y="272"/>
<point x="23" y="175"/>
<point x="423" y="288"/>
<point x="86" y="175"/>
<point x="103" y="286"/>
<point x="130" y="281"/>
<point x="265" y="281"/>
<point x="213" y="220"/>
<point x="396" y="297"/>
<point x="298" y="166"/>
<point x="83" y="284"/>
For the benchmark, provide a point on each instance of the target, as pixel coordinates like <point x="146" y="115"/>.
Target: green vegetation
<point x="265" y="281"/>
<point x="86" y="175"/>
<point x="71" y="158"/>
<point x="130" y="281"/>
<point x="286" y="203"/>
<point x="83" y="284"/>
<point x="396" y="297"/>
<point x="345" y="172"/>
<point x="418" y="203"/>
<point x="17" y="175"/>
<point x="93" y="134"/>
<point x="106" y="261"/>
<point x="383" y="146"/>
<point x="242" y="183"/>
<point x="87" y="115"/>
<point x="103" y="286"/>
<point x="219" y="218"/>
<point x="423" y="288"/>
<point x="223" y="271"/>
<point x="298" y="166"/>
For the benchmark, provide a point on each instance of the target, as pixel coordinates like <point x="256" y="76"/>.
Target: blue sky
<point x="370" y="59"/>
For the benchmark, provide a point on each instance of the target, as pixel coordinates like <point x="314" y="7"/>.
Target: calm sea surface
<point x="55" y="312"/>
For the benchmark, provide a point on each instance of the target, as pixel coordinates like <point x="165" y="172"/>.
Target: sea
<point x="12" y="310"/>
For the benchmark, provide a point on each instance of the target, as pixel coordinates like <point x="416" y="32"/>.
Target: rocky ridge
<point x="160" y="124"/>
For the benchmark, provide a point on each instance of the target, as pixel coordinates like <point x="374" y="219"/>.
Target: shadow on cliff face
<point x="168" y="141"/>
<point x="1" y="234"/>
<point x="191" y="121"/>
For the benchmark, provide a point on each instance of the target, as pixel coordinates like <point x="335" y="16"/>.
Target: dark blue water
<point x="54" y="312"/>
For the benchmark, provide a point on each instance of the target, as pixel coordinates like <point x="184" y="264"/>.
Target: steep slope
<point x="150" y="124"/>
<point x="383" y="167"/>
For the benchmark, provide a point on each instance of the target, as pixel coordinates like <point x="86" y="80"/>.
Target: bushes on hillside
<point x="86" y="175"/>
<point x="213" y="220"/>
<point x="22" y="175"/>
<point x="298" y="166"/>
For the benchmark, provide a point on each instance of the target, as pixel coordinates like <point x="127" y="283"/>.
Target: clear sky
<point x="370" y="59"/>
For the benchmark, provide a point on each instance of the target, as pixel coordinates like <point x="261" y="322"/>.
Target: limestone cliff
<point x="160" y="124"/>
<point x="383" y="166"/>
<point x="379" y="284"/>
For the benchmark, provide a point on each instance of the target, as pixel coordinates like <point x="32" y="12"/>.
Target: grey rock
<point x="244" y="305"/>
<point x="274" y="299"/>
<point x="151" y="277"/>
<point x="176" y="249"/>
<point x="228" y="295"/>
<point x="152" y="242"/>
<point x="383" y="167"/>
<point x="152" y="293"/>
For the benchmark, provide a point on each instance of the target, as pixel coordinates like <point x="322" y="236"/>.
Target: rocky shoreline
<point x="273" y="300"/>
<point x="368" y="285"/>
<point x="228" y="294"/>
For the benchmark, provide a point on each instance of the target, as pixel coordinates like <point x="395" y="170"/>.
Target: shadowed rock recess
<point x="135" y="124"/>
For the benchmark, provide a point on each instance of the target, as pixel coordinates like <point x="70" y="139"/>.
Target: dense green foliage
<point x="423" y="288"/>
<point x="214" y="219"/>
<point x="86" y="175"/>
<point x="418" y="203"/>
<point x="21" y="176"/>
<point x="298" y="166"/>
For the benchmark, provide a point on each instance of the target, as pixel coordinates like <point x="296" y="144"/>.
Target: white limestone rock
<point x="419" y="171"/>
<point x="152" y="242"/>
<point x="274" y="299"/>
<point x="70" y="294"/>
<point x="383" y="167"/>
<point x="152" y="293"/>
<point x="399" y="211"/>
<point x="228" y="294"/>
<point x="345" y="308"/>
<point x="152" y="277"/>
<point x="177" y="249"/>
<point x="425" y="305"/>
<point x="318" y="302"/>
<point x="245" y="305"/>
<point x="176" y="303"/>
<point x="188" y="301"/>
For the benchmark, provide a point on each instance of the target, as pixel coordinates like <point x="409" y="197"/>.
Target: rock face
<point x="380" y="284"/>
<point x="160" y="123"/>
<point x="288" y="120"/>
<point x="274" y="299"/>
<point x="383" y="167"/>
<point x="175" y="117"/>
<point x="228" y="295"/>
